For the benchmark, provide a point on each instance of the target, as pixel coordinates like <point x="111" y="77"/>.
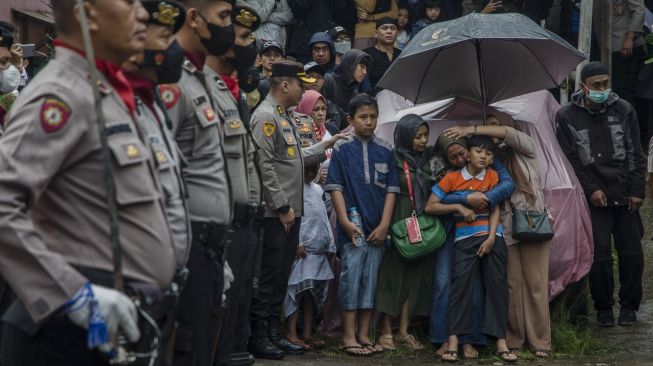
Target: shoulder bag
<point x="531" y="226"/>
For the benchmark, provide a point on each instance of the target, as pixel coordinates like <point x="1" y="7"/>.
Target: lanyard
<point x="410" y="187"/>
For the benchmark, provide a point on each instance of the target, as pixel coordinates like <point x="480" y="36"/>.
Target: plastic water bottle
<point x="355" y="218"/>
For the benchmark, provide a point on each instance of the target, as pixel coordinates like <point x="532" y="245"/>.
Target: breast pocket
<point x="380" y="174"/>
<point x="132" y="175"/>
<point x="289" y="149"/>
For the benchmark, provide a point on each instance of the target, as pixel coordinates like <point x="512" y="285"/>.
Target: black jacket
<point x="603" y="148"/>
<point x="339" y="86"/>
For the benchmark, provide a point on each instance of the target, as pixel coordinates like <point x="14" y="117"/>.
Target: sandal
<point x="506" y="356"/>
<point x="469" y="352"/>
<point x="347" y="350"/>
<point x="450" y="356"/>
<point x="372" y="347"/>
<point x="444" y="347"/>
<point x="411" y="342"/>
<point x="542" y="353"/>
<point x="387" y="342"/>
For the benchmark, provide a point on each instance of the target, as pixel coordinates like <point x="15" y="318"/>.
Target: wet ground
<point x="629" y="346"/>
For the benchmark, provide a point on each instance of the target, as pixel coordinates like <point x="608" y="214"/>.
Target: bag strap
<point x="410" y="187"/>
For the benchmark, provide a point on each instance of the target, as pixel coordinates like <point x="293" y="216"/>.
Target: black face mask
<point x="248" y="79"/>
<point x="244" y="56"/>
<point x="165" y="63"/>
<point x="222" y="38"/>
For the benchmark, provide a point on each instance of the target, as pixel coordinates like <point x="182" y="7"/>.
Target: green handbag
<point x="531" y="226"/>
<point x="416" y="236"/>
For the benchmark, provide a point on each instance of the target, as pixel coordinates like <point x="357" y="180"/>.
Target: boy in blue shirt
<point x="362" y="175"/>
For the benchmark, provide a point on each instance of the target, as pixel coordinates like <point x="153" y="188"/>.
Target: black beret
<point x="282" y="69"/>
<point x="168" y="13"/>
<point x="592" y="69"/>
<point x="384" y="21"/>
<point x="245" y="16"/>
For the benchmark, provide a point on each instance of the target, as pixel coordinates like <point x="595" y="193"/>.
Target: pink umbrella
<point x="572" y="248"/>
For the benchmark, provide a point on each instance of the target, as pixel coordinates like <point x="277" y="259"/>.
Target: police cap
<point x="168" y="13"/>
<point x="245" y="16"/>
<point x="290" y="69"/>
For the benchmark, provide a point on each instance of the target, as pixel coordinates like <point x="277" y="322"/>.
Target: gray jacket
<point x="196" y="127"/>
<point x="282" y="158"/>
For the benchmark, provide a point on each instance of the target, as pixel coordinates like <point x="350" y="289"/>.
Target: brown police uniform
<point x="53" y="210"/>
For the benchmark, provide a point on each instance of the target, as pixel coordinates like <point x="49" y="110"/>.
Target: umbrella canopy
<point x="481" y="57"/>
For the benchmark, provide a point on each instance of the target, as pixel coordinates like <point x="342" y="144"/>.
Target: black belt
<point x="248" y="213"/>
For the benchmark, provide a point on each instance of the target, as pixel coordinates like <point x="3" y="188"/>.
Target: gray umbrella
<point x="484" y="58"/>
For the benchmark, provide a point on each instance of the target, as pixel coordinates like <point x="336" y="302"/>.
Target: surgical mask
<point x="165" y="63"/>
<point x="222" y="38"/>
<point x="248" y="79"/>
<point x="244" y="56"/>
<point x="342" y="46"/>
<point x="599" y="97"/>
<point x="9" y="79"/>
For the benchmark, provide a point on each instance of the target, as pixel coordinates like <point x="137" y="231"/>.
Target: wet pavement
<point x="628" y="346"/>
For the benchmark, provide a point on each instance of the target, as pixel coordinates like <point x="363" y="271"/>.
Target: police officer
<point x="240" y="149"/>
<point x="207" y="30"/>
<point x="55" y="246"/>
<point x="282" y="161"/>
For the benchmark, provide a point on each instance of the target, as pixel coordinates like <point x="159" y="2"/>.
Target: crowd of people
<point x="196" y="193"/>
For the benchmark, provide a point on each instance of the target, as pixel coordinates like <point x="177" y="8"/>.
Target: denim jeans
<point x="439" y="327"/>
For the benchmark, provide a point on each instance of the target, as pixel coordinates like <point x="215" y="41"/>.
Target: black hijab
<point x="404" y="135"/>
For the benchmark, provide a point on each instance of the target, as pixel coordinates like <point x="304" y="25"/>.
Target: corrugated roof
<point x="36" y="15"/>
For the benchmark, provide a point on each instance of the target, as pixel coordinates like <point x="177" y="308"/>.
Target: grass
<point x="571" y="338"/>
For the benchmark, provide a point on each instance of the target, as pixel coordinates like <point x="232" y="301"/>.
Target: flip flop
<point x="504" y="356"/>
<point x="374" y="351"/>
<point x="316" y="343"/>
<point x="347" y="349"/>
<point x="542" y="353"/>
<point x="453" y="354"/>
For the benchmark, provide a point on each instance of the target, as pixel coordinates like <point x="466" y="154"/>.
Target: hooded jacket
<point x="603" y="147"/>
<point x="324" y="37"/>
<point x="340" y="87"/>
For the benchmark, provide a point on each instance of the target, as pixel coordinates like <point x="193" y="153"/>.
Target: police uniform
<point x="281" y="160"/>
<point x="53" y="210"/>
<point x="240" y="154"/>
<point x="197" y="130"/>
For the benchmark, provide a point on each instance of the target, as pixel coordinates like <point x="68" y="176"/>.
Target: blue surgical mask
<point x="599" y="97"/>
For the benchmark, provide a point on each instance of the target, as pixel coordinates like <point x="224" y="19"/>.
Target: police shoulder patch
<point x="54" y="114"/>
<point x="269" y="128"/>
<point x="170" y="94"/>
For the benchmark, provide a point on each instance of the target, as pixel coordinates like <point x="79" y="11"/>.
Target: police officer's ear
<point x="192" y="18"/>
<point x="91" y="15"/>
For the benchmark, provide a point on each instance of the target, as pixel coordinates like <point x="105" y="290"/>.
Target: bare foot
<point x="353" y="348"/>
<point x="542" y="354"/>
<point x="298" y="341"/>
<point x="364" y="340"/>
<point x="469" y="352"/>
<point x="443" y="348"/>
<point x="314" y="342"/>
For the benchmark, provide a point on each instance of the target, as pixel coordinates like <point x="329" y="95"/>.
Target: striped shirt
<point x="461" y="181"/>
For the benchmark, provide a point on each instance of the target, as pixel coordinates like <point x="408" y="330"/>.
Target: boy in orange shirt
<point x="479" y="245"/>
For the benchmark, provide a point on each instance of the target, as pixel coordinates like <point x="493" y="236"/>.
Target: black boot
<point x="260" y="345"/>
<point x="282" y="342"/>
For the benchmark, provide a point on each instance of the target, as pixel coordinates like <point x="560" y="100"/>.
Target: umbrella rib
<point x="538" y="60"/>
<point x="426" y="73"/>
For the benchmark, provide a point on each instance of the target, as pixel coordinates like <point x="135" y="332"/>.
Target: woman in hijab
<point x="404" y="288"/>
<point x="528" y="263"/>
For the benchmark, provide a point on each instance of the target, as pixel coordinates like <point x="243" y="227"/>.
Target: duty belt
<point x="248" y="213"/>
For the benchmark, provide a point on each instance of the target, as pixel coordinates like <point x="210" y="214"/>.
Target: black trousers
<point x="58" y="343"/>
<point x="627" y="230"/>
<point x="241" y="255"/>
<point x="624" y="73"/>
<point x="200" y="308"/>
<point x="279" y="250"/>
<point x="466" y="267"/>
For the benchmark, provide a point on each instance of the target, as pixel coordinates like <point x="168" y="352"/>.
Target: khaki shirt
<point x="53" y="210"/>
<point x="239" y="147"/>
<point x="196" y="127"/>
<point x="281" y="157"/>
<point x="627" y="16"/>
<point x="168" y="161"/>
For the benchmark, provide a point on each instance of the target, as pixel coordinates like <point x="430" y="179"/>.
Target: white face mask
<point x="342" y="46"/>
<point x="9" y="79"/>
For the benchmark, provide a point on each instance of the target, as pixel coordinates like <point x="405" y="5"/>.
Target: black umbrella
<point x="481" y="57"/>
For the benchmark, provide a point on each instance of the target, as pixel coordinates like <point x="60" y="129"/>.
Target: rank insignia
<point x="269" y="128"/>
<point x="161" y="157"/>
<point x="54" y="114"/>
<point x="246" y="18"/>
<point x="169" y="94"/>
<point x="284" y="123"/>
<point x="305" y="128"/>
<point x="209" y="113"/>
<point x="291" y="151"/>
<point x="280" y="110"/>
<point x="297" y="120"/>
<point x="234" y="125"/>
<point x="131" y="151"/>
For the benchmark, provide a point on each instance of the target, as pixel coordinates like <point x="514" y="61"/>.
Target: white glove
<point x="228" y="279"/>
<point x="117" y="310"/>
